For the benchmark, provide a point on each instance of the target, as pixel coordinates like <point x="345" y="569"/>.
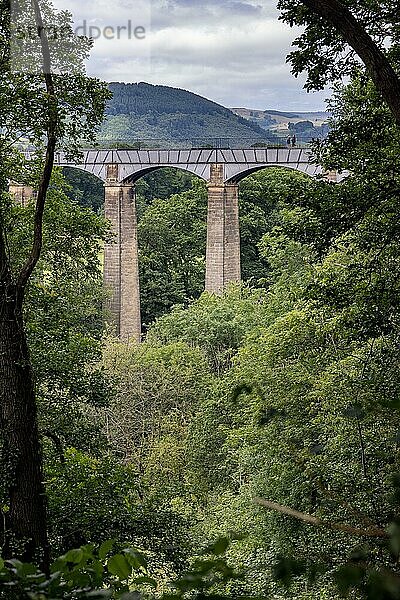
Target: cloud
<point x="232" y="51"/>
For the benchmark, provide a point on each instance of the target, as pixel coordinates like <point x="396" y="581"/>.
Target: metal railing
<point x="203" y="143"/>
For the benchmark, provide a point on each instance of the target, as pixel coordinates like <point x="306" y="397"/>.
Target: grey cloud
<point x="244" y="8"/>
<point x="172" y="13"/>
<point x="231" y="51"/>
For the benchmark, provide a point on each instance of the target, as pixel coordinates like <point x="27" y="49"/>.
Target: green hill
<point x="306" y="125"/>
<point x="141" y="111"/>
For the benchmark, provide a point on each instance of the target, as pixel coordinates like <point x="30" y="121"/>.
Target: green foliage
<point x="308" y="415"/>
<point x="95" y="572"/>
<point x="363" y="135"/>
<point x="216" y="325"/>
<point x="63" y="314"/>
<point x="87" y="189"/>
<point x="140" y="111"/>
<point x="172" y="235"/>
<point x="305" y="406"/>
<point x="156" y="390"/>
<point x="90" y="498"/>
<point x="82" y="573"/>
<point x="261" y="200"/>
<point x="323" y="53"/>
<point x="172" y="232"/>
<point x="164" y="183"/>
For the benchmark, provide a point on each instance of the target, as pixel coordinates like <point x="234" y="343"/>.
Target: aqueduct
<point x="222" y="169"/>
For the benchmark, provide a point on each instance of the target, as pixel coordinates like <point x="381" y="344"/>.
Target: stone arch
<point x="132" y="164"/>
<point x="90" y="185"/>
<point x="200" y="171"/>
<point x="82" y="169"/>
<point x="137" y="175"/>
<point x="238" y="174"/>
<point x="221" y="168"/>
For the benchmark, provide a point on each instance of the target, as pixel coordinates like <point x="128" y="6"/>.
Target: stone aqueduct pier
<point x="222" y="169"/>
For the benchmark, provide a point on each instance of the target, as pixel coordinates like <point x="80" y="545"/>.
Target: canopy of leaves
<point x="323" y="53"/>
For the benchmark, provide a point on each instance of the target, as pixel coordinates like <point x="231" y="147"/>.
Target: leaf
<point x="105" y="548"/>
<point x="146" y="580"/>
<point x="135" y="558"/>
<point x="97" y="568"/>
<point x="75" y="556"/>
<point x="27" y="569"/>
<point x="88" y="550"/>
<point x="16" y="565"/>
<point x="119" y="566"/>
<point x="220" y="546"/>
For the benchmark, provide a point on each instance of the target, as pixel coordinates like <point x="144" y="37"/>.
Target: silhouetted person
<point x="289" y="141"/>
<point x="294" y="140"/>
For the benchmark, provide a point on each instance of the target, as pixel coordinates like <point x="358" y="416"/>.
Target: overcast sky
<point x="231" y="51"/>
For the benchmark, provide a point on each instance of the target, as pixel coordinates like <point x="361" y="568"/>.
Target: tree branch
<point x="34" y="256"/>
<point x="336" y="498"/>
<point x="373" y="532"/>
<point x="57" y="443"/>
<point x="378" y="66"/>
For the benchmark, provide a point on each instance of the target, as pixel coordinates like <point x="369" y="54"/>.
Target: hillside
<point x="142" y="111"/>
<point x="305" y="124"/>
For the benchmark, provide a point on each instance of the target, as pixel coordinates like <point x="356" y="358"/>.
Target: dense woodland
<point x="140" y="111"/>
<point x="249" y="447"/>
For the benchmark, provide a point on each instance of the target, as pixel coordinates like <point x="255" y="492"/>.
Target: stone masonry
<point x="22" y="193"/>
<point x="222" y="169"/>
<point x="223" y="239"/>
<point x="121" y="259"/>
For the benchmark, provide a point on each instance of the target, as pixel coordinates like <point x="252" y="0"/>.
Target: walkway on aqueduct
<point x="222" y="169"/>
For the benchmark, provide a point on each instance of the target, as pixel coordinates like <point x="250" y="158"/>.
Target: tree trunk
<point x="26" y="534"/>
<point x="378" y="66"/>
<point x="26" y="521"/>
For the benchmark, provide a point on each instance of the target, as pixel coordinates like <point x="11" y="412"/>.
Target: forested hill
<point x="306" y="125"/>
<point x="144" y="111"/>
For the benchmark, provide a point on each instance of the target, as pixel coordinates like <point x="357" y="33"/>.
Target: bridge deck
<point x="238" y="162"/>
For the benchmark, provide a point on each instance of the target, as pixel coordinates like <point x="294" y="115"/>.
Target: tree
<point x="41" y="106"/>
<point x="172" y="233"/>
<point x="304" y="412"/>
<point x="172" y="239"/>
<point x="215" y="324"/>
<point x="331" y="27"/>
<point x="156" y="389"/>
<point x="164" y="183"/>
<point x="323" y="376"/>
<point x="85" y="187"/>
<point x="63" y="317"/>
